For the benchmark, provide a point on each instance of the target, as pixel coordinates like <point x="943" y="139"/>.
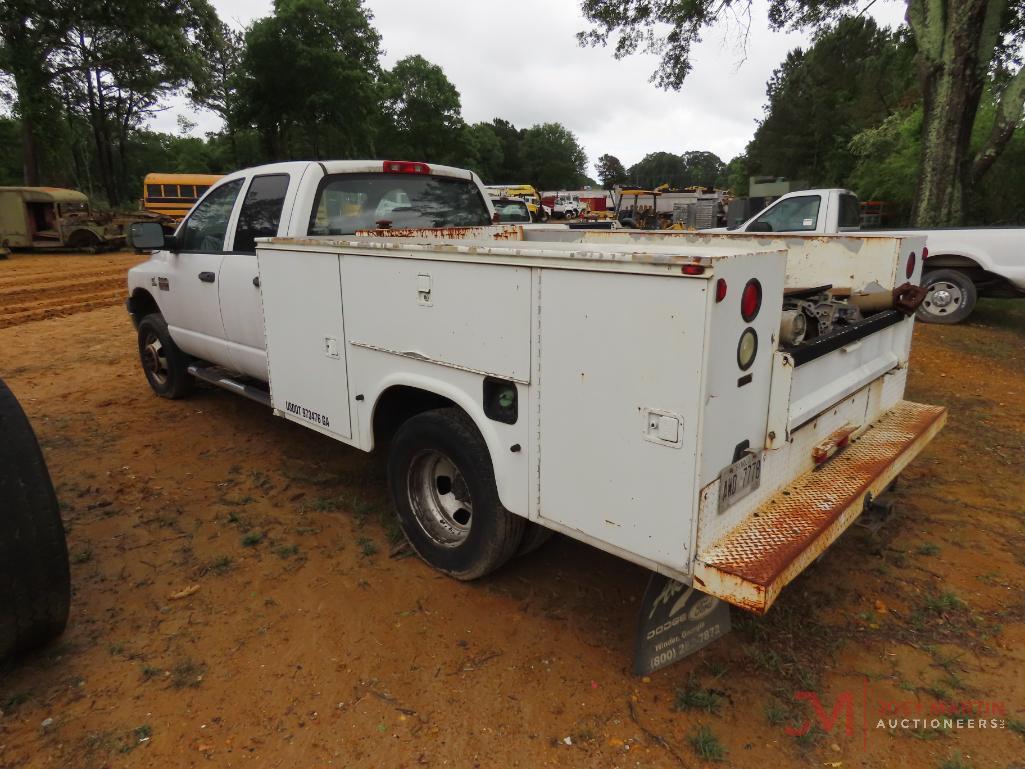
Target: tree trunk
<point x="955" y="40"/>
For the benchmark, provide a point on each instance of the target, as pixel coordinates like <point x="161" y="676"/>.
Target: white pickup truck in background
<point x="675" y="402"/>
<point x="961" y="264"/>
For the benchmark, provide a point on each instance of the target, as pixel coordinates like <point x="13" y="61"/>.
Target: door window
<point x="850" y="213"/>
<point x="205" y="229"/>
<point x="792" y="215"/>
<point x="261" y="211"/>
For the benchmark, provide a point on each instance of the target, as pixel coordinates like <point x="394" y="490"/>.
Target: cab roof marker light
<point x="405" y="167"/>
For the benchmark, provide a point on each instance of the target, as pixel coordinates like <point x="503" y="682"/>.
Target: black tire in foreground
<point x="166" y="367"/>
<point x="950" y="296"/>
<point x="35" y="583"/>
<point x="442" y="483"/>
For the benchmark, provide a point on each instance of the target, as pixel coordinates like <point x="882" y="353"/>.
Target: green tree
<point x="701" y="168"/>
<point x="658" y="168"/>
<point x="309" y="79"/>
<point x="512" y="169"/>
<point x="484" y="151"/>
<point x="958" y="44"/>
<point x="552" y="157"/>
<point x="610" y="171"/>
<point x="851" y="78"/>
<point x="422" y="113"/>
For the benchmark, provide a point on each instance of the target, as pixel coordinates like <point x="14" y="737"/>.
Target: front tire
<point x="34" y="575"/>
<point x="442" y="483"/>
<point x="950" y="297"/>
<point x="166" y="367"/>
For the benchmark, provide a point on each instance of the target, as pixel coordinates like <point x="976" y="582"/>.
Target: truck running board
<point x="214" y="376"/>
<point x="751" y="564"/>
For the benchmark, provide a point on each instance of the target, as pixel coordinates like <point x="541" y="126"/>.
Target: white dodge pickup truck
<point x="961" y="264"/>
<point x="676" y="403"/>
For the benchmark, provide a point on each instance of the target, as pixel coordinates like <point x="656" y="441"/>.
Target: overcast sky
<point x="520" y="61"/>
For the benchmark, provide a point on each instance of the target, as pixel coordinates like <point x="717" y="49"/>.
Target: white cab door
<point x="188" y="294"/>
<point x="241" y="306"/>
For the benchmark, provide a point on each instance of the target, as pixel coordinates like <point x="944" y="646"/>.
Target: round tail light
<point x="911" y="265"/>
<point x="747" y="348"/>
<point x="751" y="300"/>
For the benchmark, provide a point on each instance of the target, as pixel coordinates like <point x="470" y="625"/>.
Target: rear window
<point x="850" y="212"/>
<point x="512" y="210"/>
<point x="349" y="202"/>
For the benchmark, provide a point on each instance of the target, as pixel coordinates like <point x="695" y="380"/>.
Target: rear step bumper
<point x="751" y="564"/>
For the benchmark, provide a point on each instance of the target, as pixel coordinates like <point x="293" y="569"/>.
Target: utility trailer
<point x="648" y="396"/>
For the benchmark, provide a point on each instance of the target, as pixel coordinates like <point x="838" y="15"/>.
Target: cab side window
<point x="792" y="215"/>
<point x="205" y="229"/>
<point x="261" y="211"/>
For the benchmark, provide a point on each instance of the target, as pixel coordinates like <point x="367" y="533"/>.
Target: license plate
<point x="739" y="479"/>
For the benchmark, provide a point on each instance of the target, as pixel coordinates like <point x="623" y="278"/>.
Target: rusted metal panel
<point x="494" y="232"/>
<point x="750" y="565"/>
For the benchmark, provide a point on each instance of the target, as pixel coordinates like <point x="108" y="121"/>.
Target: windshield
<point x="512" y="210"/>
<point x="349" y="202"/>
<point x="74" y="208"/>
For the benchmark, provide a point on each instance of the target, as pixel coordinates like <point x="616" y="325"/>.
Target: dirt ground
<point x="302" y="643"/>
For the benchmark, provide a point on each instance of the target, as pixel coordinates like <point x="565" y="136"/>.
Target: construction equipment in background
<point x="174" y="195"/>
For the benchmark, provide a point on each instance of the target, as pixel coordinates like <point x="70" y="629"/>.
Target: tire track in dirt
<point x="38" y="287"/>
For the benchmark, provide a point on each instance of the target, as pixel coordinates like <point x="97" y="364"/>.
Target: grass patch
<point x="187" y="674"/>
<point x="287" y="551"/>
<point x="16" y="699"/>
<point x="695" y="697"/>
<point x="252" y="539"/>
<point x="1016" y="726"/>
<point x="928" y="548"/>
<point x="942" y="603"/>
<point x="83" y="556"/>
<point x="706" y="744"/>
<point x="776" y="714"/>
<point x="955" y="762"/>
<point x="220" y="565"/>
<point x="367" y="546"/>
<point x="150" y="672"/>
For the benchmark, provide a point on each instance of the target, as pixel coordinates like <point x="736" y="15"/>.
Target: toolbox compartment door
<point x="302" y="317"/>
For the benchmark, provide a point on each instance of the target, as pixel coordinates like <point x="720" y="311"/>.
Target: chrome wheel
<point x="154" y="360"/>
<point x="439" y="498"/>
<point x="943" y="297"/>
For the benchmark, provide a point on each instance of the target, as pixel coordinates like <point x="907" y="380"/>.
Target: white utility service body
<point x="634" y="406"/>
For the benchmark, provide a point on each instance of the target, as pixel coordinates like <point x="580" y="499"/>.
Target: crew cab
<point x="961" y="263"/>
<point x="718" y="411"/>
<point x="204" y="281"/>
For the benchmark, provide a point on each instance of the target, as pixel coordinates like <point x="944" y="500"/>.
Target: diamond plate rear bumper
<point x="751" y="564"/>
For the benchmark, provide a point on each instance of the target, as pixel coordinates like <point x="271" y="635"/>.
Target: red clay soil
<point x="235" y="602"/>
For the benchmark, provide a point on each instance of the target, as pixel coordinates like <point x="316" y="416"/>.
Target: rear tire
<point x="442" y="483"/>
<point x="166" y="367"/>
<point x="950" y="297"/>
<point x="34" y="575"/>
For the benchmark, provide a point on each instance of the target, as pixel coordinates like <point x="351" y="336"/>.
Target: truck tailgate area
<point x="753" y="562"/>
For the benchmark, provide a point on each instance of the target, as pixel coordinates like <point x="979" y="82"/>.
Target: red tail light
<point x="693" y="269"/>
<point x="405" y="167"/>
<point x="751" y="300"/>
<point x="925" y="254"/>
<point x="911" y="265"/>
<point x="720" y="290"/>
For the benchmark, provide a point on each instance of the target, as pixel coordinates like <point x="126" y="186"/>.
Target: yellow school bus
<point x="174" y="194"/>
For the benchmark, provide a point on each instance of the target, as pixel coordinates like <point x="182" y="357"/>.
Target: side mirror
<point x="146" y="235"/>
<point x="759" y="227"/>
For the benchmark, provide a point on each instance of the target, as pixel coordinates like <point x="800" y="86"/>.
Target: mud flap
<point x="675" y="621"/>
